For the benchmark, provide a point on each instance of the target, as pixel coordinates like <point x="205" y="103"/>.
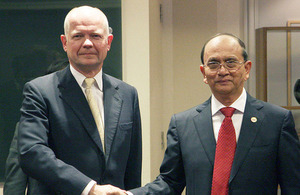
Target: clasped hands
<point x="106" y="190"/>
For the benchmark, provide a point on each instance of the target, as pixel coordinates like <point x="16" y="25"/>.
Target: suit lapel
<point x="72" y="94"/>
<point x="252" y="121"/>
<point x="112" y="109"/>
<point x="203" y="123"/>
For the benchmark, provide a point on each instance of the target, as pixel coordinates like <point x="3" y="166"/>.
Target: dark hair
<point x="241" y="43"/>
<point x="297" y="90"/>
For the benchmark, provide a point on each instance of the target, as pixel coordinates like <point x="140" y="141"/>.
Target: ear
<point x="248" y="66"/>
<point x="202" y="69"/>
<point x="63" y="39"/>
<point x="109" y="41"/>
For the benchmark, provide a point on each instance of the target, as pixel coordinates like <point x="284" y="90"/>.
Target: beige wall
<point x="190" y="31"/>
<point x="136" y="65"/>
<point x="156" y="87"/>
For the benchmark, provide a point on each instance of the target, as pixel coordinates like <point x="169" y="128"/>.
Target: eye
<point x="97" y="36"/>
<point x="213" y="63"/>
<point x="77" y="36"/>
<point x="231" y="61"/>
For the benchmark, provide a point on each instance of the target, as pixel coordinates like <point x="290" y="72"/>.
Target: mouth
<point x="87" y="54"/>
<point x="223" y="81"/>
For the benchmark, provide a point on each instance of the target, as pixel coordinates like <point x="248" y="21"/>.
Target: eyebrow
<point x="231" y="58"/>
<point x="225" y="59"/>
<point x="213" y="59"/>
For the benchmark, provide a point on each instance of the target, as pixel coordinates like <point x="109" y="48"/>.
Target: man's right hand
<point x="106" y="190"/>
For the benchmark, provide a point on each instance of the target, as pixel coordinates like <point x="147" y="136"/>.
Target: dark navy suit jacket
<point x="267" y="153"/>
<point x="59" y="144"/>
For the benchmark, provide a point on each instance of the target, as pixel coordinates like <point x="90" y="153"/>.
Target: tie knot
<point x="227" y="111"/>
<point x="89" y="82"/>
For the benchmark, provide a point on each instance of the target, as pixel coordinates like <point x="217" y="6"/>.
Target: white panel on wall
<point x="295" y="62"/>
<point x="276" y="67"/>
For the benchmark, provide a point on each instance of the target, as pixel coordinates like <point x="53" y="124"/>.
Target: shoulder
<point x="271" y="114"/>
<point x="51" y="78"/>
<point x="194" y="111"/>
<point x="44" y="85"/>
<point x="266" y="107"/>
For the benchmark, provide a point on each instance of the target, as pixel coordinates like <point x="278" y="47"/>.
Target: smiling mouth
<point x="223" y="81"/>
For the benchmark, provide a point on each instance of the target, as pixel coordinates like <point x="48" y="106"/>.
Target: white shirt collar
<point x="80" y="78"/>
<point x="239" y="104"/>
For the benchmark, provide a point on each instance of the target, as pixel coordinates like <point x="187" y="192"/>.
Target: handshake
<point x="107" y="190"/>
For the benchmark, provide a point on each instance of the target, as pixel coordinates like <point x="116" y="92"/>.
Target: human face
<point x="87" y="40"/>
<point x="225" y="84"/>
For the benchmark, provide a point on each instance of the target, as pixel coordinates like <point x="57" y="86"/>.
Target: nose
<point x="222" y="70"/>
<point x="87" y="43"/>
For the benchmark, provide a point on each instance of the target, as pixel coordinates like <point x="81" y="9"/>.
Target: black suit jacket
<point x="267" y="153"/>
<point x="59" y="144"/>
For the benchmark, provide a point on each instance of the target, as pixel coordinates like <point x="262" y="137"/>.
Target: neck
<point x="226" y="99"/>
<point x="90" y="74"/>
<point x="88" y="71"/>
<point x="226" y="102"/>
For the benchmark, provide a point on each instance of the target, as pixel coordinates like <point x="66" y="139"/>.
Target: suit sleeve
<point x="289" y="157"/>
<point x="172" y="178"/>
<point x="134" y="166"/>
<point x="15" y="178"/>
<point x="37" y="159"/>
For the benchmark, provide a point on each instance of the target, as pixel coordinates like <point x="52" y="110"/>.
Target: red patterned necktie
<point x="225" y="150"/>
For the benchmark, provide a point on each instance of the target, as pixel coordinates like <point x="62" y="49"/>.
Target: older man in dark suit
<point x="80" y="129"/>
<point x="232" y="143"/>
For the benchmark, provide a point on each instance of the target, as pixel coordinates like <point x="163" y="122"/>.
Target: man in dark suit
<point x="266" y="150"/>
<point x="75" y="138"/>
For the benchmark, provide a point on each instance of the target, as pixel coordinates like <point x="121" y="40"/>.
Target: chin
<point x="221" y="87"/>
<point x="224" y="90"/>
<point x="89" y="63"/>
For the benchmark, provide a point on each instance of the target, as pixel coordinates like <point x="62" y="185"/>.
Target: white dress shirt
<point x="97" y="90"/>
<point x="237" y="117"/>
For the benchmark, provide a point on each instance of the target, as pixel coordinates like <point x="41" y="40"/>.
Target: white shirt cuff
<point x="88" y="188"/>
<point x="128" y="193"/>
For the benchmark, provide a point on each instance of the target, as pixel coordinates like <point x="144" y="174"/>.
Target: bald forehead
<point x="85" y="10"/>
<point x="223" y="43"/>
<point x="84" y="14"/>
<point x="222" y="46"/>
<point x="223" y="39"/>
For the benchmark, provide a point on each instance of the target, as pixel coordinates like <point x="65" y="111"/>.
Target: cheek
<point x="241" y="78"/>
<point x="209" y="78"/>
<point x="75" y="45"/>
